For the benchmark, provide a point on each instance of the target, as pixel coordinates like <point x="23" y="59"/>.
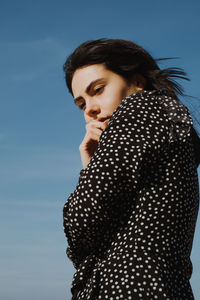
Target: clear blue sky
<point x="41" y="129"/>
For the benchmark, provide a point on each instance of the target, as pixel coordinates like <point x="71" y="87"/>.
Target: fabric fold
<point x="82" y="275"/>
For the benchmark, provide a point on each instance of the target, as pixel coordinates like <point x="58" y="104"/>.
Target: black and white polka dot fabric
<point x="130" y="221"/>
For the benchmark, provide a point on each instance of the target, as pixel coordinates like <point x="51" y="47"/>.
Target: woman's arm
<point x="136" y="134"/>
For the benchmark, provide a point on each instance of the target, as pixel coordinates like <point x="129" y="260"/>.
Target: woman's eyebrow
<point x="89" y="87"/>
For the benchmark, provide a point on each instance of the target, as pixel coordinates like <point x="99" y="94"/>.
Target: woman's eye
<point x="98" y="90"/>
<point x="81" y="106"/>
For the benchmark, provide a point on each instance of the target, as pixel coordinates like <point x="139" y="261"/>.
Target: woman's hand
<point x="90" y="142"/>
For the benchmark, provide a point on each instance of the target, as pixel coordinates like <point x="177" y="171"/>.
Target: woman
<point x="130" y="221"/>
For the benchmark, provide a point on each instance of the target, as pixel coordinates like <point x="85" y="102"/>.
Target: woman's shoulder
<point x="152" y="100"/>
<point x="159" y="107"/>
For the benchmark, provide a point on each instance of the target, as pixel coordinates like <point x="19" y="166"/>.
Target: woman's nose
<point x="92" y="109"/>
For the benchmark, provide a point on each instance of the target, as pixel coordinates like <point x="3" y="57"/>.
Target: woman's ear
<point x="139" y="81"/>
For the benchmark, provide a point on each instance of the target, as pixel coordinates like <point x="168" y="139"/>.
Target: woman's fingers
<point x="92" y="134"/>
<point x="94" y="130"/>
<point x="97" y="124"/>
<point x="90" y="142"/>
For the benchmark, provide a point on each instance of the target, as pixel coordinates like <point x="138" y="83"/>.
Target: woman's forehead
<point x="83" y="76"/>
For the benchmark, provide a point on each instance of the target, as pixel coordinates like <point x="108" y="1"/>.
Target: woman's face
<point x="99" y="91"/>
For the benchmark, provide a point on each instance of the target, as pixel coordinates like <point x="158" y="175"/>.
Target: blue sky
<point x="41" y="129"/>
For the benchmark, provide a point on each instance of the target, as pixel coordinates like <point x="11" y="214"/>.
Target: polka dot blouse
<point x="130" y="221"/>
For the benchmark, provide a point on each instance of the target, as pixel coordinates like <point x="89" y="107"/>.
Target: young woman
<point x="130" y="221"/>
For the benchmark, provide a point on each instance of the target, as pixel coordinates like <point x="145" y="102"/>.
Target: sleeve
<point x="135" y="135"/>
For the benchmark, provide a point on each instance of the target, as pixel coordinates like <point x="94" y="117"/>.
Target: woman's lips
<point x="104" y="119"/>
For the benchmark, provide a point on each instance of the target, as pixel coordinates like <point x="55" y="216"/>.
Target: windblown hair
<point x="125" y="58"/>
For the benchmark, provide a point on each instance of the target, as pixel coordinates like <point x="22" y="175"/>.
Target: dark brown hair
<point x="125" y="58"/>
